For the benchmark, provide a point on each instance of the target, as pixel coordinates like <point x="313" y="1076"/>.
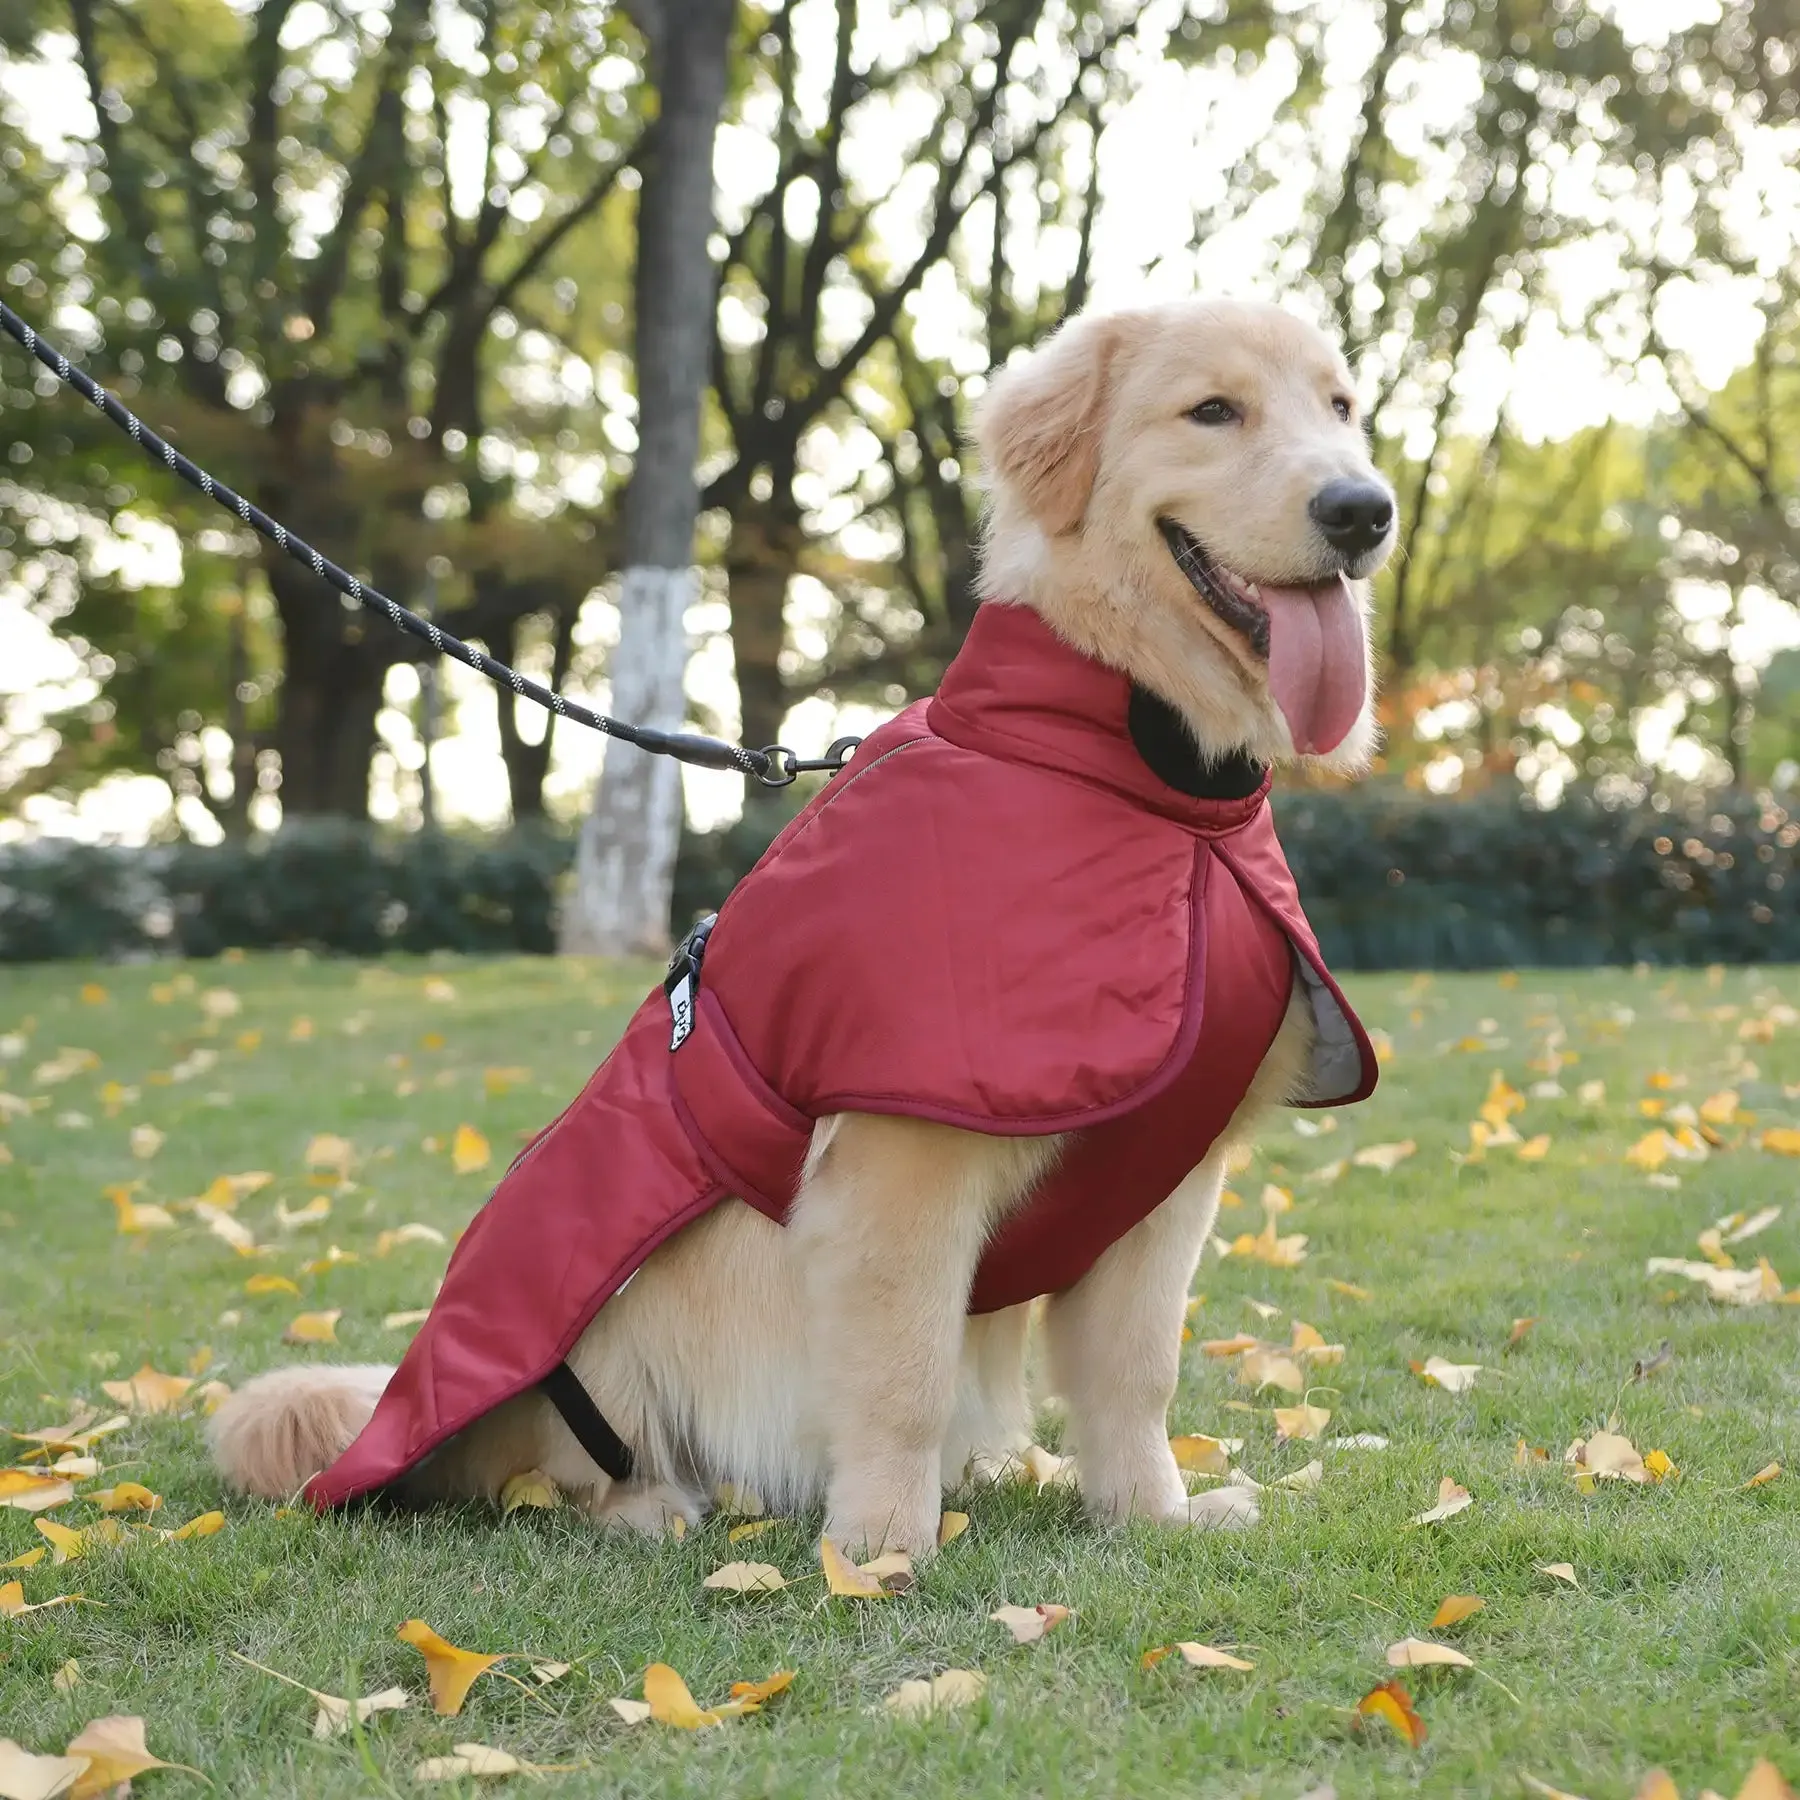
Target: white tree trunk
<point x="625" y="857"/>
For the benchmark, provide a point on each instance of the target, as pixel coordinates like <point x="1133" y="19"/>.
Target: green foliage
<point x="1390" y="880"/>
<point x="327" y="884"/>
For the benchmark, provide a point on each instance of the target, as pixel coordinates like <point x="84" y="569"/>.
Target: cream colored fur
<point x="831" y="1361"/>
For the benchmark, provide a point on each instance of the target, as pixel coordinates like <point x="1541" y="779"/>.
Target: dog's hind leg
<point x="888" y="1227"/>
<point x="991" y="1424"/>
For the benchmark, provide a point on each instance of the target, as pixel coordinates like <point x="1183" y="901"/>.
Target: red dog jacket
<point x="1000" y="916"/>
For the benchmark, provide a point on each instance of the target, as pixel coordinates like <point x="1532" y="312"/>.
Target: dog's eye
<point x="1213" y="412"/>
<point x="1341" y="407"/>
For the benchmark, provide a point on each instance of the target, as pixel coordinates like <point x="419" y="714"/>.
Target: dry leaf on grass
<point x="148" y="1391"/>
<point x="468" y="1150"/>
<point x="1391" y="1703"/>
<point x="746" y="1578"/>
<point x="1263" y="1368"/>
<point x="1519" y="1328"/>
<point x="751" y="1528"/>
<point x="473" y="1761"/>
<point x="950" y="1527"/>
<point x="1385" y="1157"/>
<point x="25" y="1490"/>
<point x="335" y="1712"/>
<point x="1201" y="1455"/>
<point x="670" y="1703"/>
<point x="1454" y="1608"/>
<point x="1558" y="1572"/>
<point x="451" y="1672"/>
<point x="12" y="1600"/>
<point x="80" y="1434"/>
<point x="1029" y="1623"/>
<point x="1196" y="1656"/>
<point x="65" y="1545"/>
<point x="128" y="1496"/>
<point x="202" y="1526"/>
<point x="68" y="1678"/>
<point x="1763" y="1476"/>
<point x="632" y="1712"/>
<point x="313" y="1327"/>
<point x="317" y="1208"/>
<point x="948" y="1692"/>
<point x="1736" y="1287"/>
<point x="1556" y="1793"/>
<point x="1783" y="1140"/>
<point x="1418" y="1653"/>
<point x="1453" y="1378"/>
<point x="271" y="1284"/>
<point x="1451" y="1500"/>
<point x="531" y="1488"/>
<point x="390" y="1241"/>
<point x="1300" y="1422"/>
<point x="27" y="1777"/>
<point x="115" y="1751"/>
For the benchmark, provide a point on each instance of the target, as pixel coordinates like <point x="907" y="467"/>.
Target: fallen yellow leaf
<point x="1205" y="1656"/>
<point x="451" y="1672"/>
<point x="128" y="1496"/>
<point x="65" y="1544"/>
<point x="746" y="1578"/>
<point x="271" y="1284"/>
<point x="335" y="1713"/>
<point x="468" y="1150"/>
<point x="31" y="1777"/>
<point x="25" y="1490"/>
<point x="670" y="1703"/>
<point x="843" y="1577"/>
<point x="1454" y="1608"/>
<point x="1783" y="1140"/>
<point x="1559" y="1572"/>
<point x="1391" y="1703"/>
<point x="1451" y="1500"/>
<point x="1300" y="1422"/>
<point x="1029" y="1623"/>
<point x="532" y="1488"/>
<point x="1763" y="1476"/>
<point x="1453" y="1378"/>
<point x="148" y="1391"/>
<point x="332" y="1153"/>
<point x="1200" y="1455"/>
<point x="950" y="1527"/>
<point x="1385" y="1157"/>
<point x="1417" y="1653"/>
<point x="202" y="1525"/>
<point x="947" y="1692"/>
<point x="26" y="1559"/>
<point x="314" y="1327"/>
<point x="115" y="1752"/>
<point x="66" y="1679"/>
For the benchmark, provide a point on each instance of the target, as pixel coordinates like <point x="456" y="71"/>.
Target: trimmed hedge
<point x="1390" y="880"/>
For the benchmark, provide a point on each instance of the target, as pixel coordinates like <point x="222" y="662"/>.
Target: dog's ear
<point x="1038" y="426"/>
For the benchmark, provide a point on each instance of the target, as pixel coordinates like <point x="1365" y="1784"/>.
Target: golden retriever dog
<point x="1160" y="480"/>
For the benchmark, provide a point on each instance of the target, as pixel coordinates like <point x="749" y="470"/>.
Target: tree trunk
<point x="331" y="684"/>
<point x="625" y="861"/>
<point x="765" y="548"/>
<point x="527" y="764"/>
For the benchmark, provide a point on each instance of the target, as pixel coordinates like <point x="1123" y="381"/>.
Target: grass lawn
<point x="1680" y="1648"/>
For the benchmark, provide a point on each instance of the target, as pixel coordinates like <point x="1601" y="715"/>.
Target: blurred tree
<point x="625" y="861"/>
<point x="364" y="265"/>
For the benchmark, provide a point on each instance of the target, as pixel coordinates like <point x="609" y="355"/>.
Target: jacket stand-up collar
<point x="1018" y="692"/>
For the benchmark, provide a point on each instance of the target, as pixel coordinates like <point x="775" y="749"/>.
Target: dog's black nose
<point x="1354" y="515"/>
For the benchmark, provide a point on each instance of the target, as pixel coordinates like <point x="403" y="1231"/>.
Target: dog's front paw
<point x="1218" y="1509"/>
<point x="653" y="1509"/>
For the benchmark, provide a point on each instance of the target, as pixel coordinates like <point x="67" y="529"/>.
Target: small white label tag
<point x="681" y="1011"/>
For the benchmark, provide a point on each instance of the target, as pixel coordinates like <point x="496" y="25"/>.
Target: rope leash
<point x="775" y="767"/>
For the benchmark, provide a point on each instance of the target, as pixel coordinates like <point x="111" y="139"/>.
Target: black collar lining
<point x="1172" y="756"/>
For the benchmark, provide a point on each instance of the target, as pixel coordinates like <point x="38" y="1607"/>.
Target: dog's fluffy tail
<point x="279" y="1430"/>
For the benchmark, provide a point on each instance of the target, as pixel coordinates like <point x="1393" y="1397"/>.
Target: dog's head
<point x="1185" y="493"/>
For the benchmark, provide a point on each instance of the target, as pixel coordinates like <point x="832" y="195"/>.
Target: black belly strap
<point x="564" y="1391"/>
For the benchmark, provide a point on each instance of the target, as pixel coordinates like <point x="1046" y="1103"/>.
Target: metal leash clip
<point x="784" y="765"/>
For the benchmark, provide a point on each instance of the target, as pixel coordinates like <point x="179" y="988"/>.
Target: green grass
<point x="1680" y="1648"/>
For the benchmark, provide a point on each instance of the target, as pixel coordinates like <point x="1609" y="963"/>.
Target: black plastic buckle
<point x="682" y="983"/>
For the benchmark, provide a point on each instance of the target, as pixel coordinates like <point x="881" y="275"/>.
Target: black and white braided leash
<point x="775" y="766"/>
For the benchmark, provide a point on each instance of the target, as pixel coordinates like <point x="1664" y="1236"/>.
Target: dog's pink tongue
<point x="1317" y="670"/>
